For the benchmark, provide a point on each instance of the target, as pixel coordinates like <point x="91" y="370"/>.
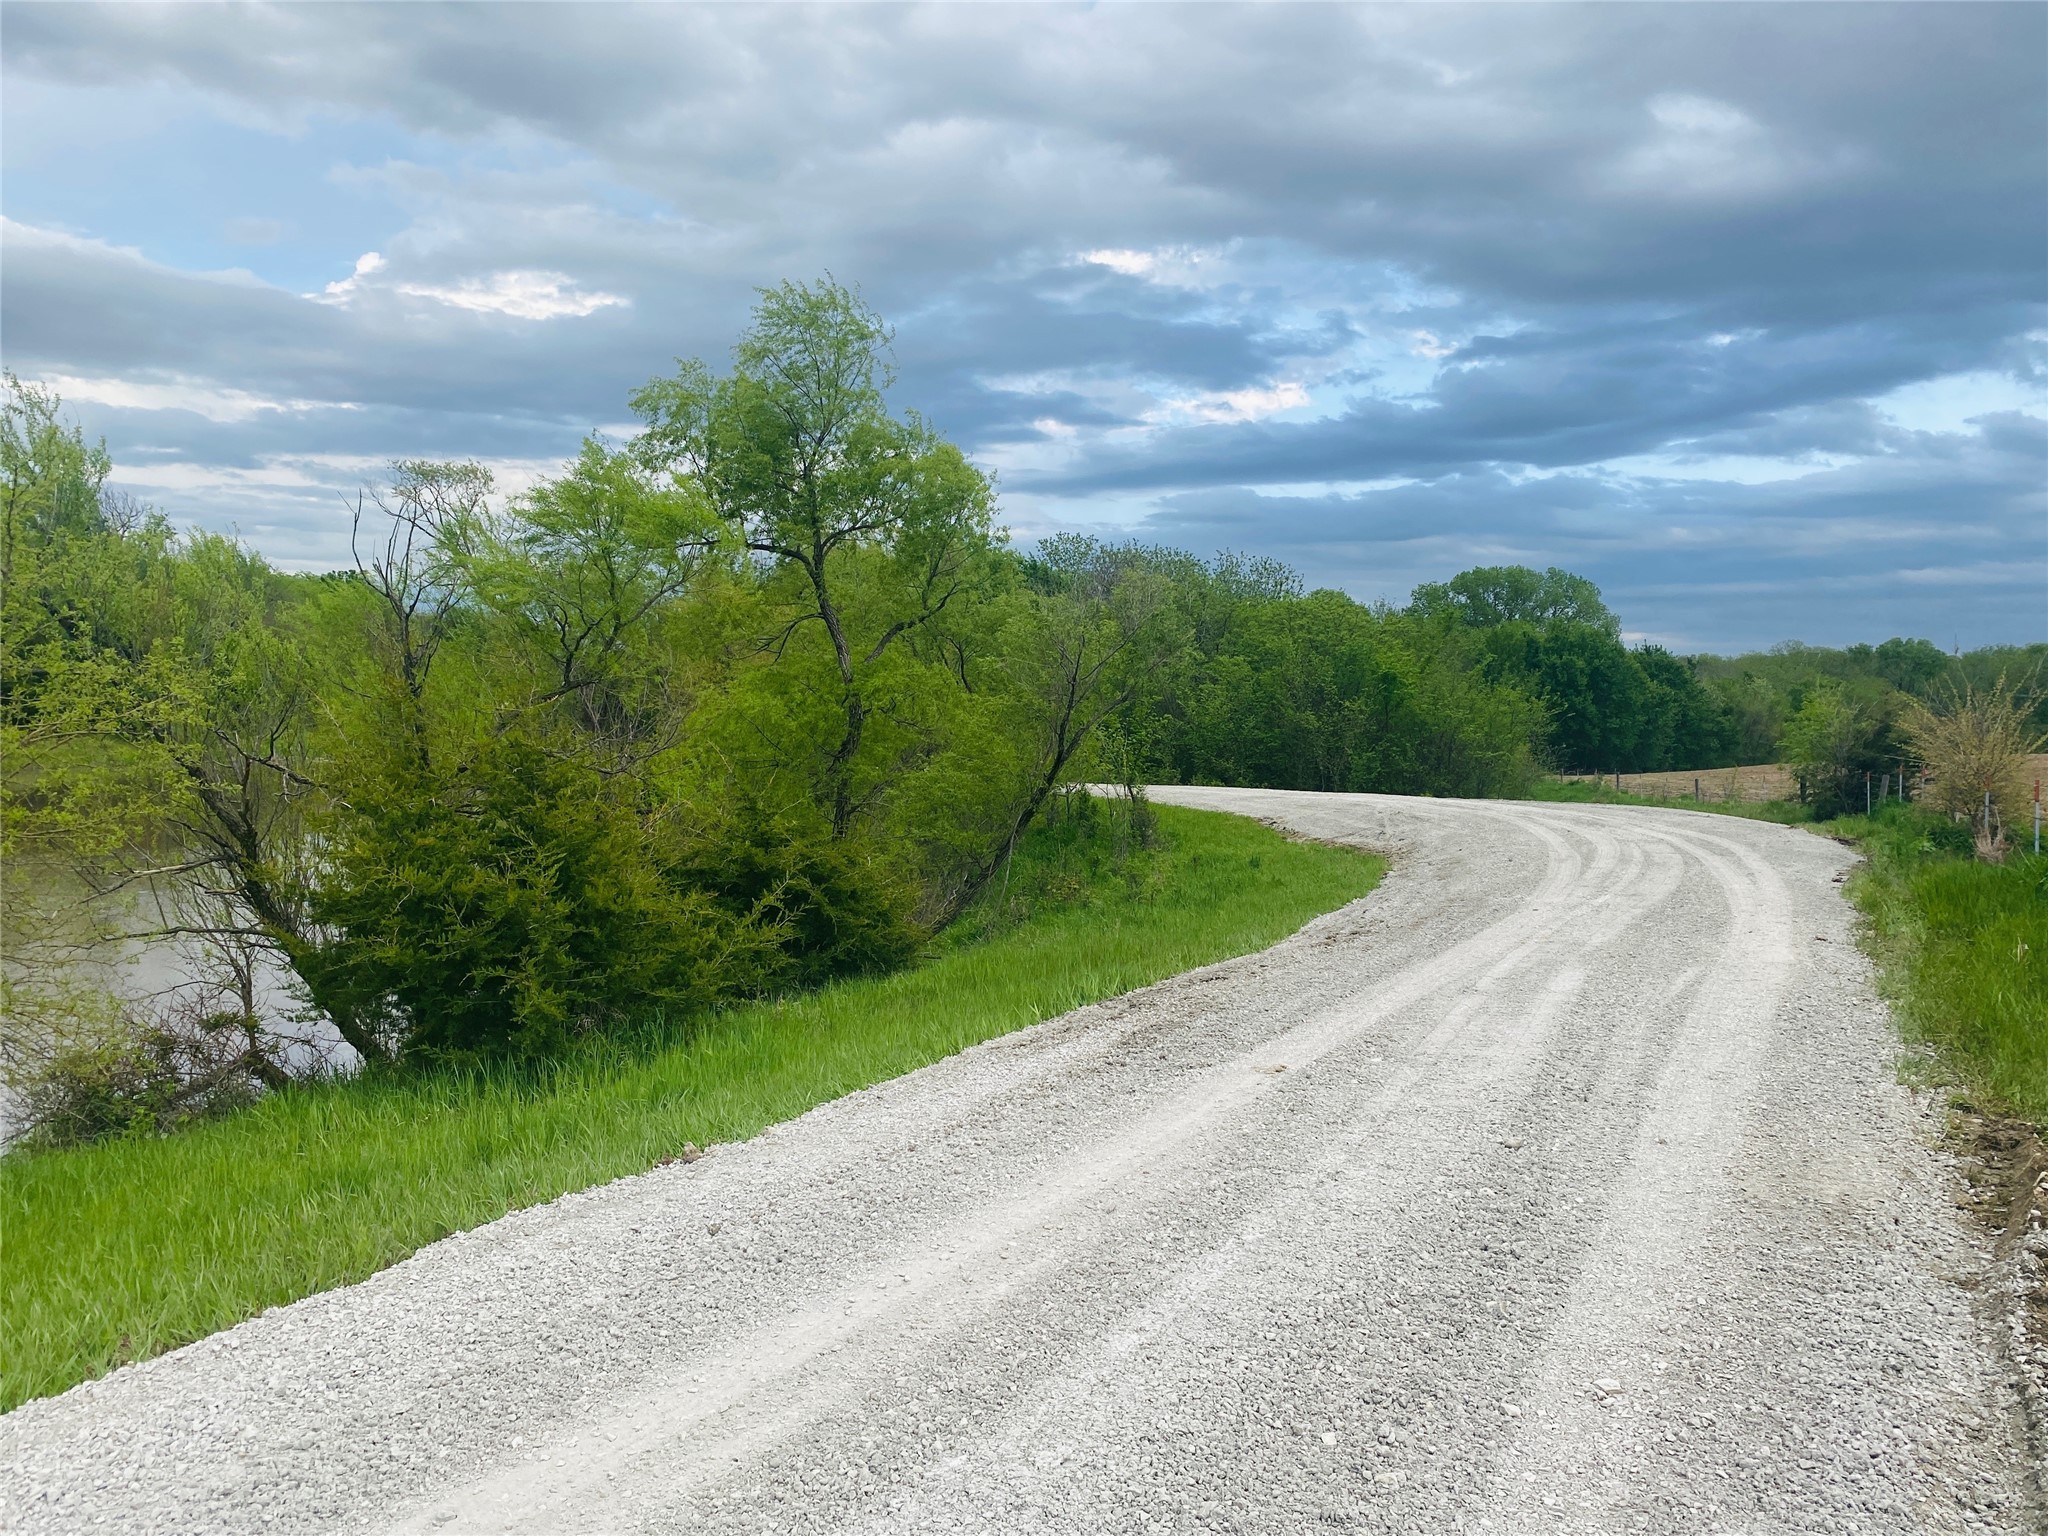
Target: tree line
<point x="760" y="698"/>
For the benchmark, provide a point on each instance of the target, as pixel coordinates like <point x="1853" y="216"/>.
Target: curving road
<point x="1563" y="1185"/>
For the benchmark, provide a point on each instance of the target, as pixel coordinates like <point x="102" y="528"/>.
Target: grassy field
<point x="1757" y="781"/>
<point x="123" y="1249"/>
<point x="1591" y="792"/>
<point x="1962" y="951"/>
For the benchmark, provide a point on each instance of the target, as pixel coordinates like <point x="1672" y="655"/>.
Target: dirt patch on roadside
<point x="2005" y="1163"/>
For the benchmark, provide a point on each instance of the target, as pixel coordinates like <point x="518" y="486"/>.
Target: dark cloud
<point x="1485" y="242"/>
<point x="1831" y="556"/>
<point x="1550" y="399"/>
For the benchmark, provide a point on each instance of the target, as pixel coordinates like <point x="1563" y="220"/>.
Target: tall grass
<point x="1962" y="949"/>
<point x="123" y="1249"/>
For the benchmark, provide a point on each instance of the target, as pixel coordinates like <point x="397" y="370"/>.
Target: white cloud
<point x="522" y="295"/>
<point x="1233" y="405"/>
<point x="273" y="474"/>
<point x="1709" y="149"/>
<point x="283" y="472"/>
<point x="368" y="265"/>
<point x="1700" y="117"/>
<point x="1141" y="404"/>
<point x="210" y="401"/>
<point x="1731" y="468"/>
<point x="1130" y="263"/>
<point x="296" y="508"/>
<point x="1171" y="266"/>
<point x="38" y="239"/>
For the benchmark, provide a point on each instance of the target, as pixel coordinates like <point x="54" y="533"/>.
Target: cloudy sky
<point x="1740" y="310"/>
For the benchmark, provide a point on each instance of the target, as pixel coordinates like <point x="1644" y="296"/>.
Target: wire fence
<point x="1755" y="782"/>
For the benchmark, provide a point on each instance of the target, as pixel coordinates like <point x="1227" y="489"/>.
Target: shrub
<point x="519" y="901"/>
<point x="1973" y="742"/>
<point x="823" y="908"/>
<point x="136" y="1077"/>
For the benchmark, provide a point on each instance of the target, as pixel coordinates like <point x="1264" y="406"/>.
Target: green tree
<point x="504" y="901"/>
<point x="1092" y="635"/>
<point x="1591" y="688"/>
<point x="796" y="452"/>
<point x="1684" y="725"/>
<point x="51" y="478"/>
<point x="582" y="574"/>
<point x="1490" y="595"/>
<point x="1911" y="666"/>
<point x="1822" y="741"/>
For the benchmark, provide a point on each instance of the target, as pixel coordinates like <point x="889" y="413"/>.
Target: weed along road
<point x="1563" y="1184"/>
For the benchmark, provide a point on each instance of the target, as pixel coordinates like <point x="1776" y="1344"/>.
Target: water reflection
<point x="166" y="951"/>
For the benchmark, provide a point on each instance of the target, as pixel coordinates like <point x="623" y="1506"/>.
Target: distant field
<point x="1759" y="781"/>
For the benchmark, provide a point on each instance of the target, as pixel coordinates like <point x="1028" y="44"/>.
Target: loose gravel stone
<point x="1587" y="1201"/>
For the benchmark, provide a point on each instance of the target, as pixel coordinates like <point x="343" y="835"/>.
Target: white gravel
<point x="1586" y="1201"/>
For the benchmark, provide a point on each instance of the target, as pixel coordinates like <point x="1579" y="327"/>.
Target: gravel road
<point x="1562" y="1185"/>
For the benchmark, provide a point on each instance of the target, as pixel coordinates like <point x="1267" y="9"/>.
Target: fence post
<point x="1866" y="793"/>
<point x="2037" y="815"/>
<point x="1697" y="797"/>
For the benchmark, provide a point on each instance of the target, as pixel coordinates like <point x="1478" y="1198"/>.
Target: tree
<point x="1490" y="595"/>
<point x="1684" y="725"/>
<point x="1911" y="666"/>
<point x="796" y="453"/>
<point x="504" y="869"/>
<point x="1092" y="635"/>
<point x="1587" y="682"/>
<point x="1821" y="745"/>
<point x="155" y="732"/>
<point x="581" y="572"/>
<point x="51" y="479"/>
<point x="510" y="898"/>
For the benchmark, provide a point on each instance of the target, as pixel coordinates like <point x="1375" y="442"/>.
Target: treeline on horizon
<point x="1299" y="691"/>
<point x="761" y="698"/>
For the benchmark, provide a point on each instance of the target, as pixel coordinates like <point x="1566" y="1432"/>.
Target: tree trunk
<point x="839" y="766"/>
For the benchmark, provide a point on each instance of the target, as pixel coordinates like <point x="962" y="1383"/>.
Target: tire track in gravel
<point x="1593" y="1355"/>
<point x="540" y="1497"/>
<point x="1522" y="1025"/>
<point x="1576" y="1094"/>
<point x="1513" y="1048"/>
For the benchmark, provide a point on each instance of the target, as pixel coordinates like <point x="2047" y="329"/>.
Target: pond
<point x="60" y="936"/>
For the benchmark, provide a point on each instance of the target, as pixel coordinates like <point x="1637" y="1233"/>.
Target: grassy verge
<point x="1962" y="952"/>
<point x="123" y="1249"/>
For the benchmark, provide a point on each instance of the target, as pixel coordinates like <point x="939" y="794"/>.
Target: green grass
<point x="1962" y="952"/>
<point x="122" y="1249"/>
<point x="1580" y="792"/>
